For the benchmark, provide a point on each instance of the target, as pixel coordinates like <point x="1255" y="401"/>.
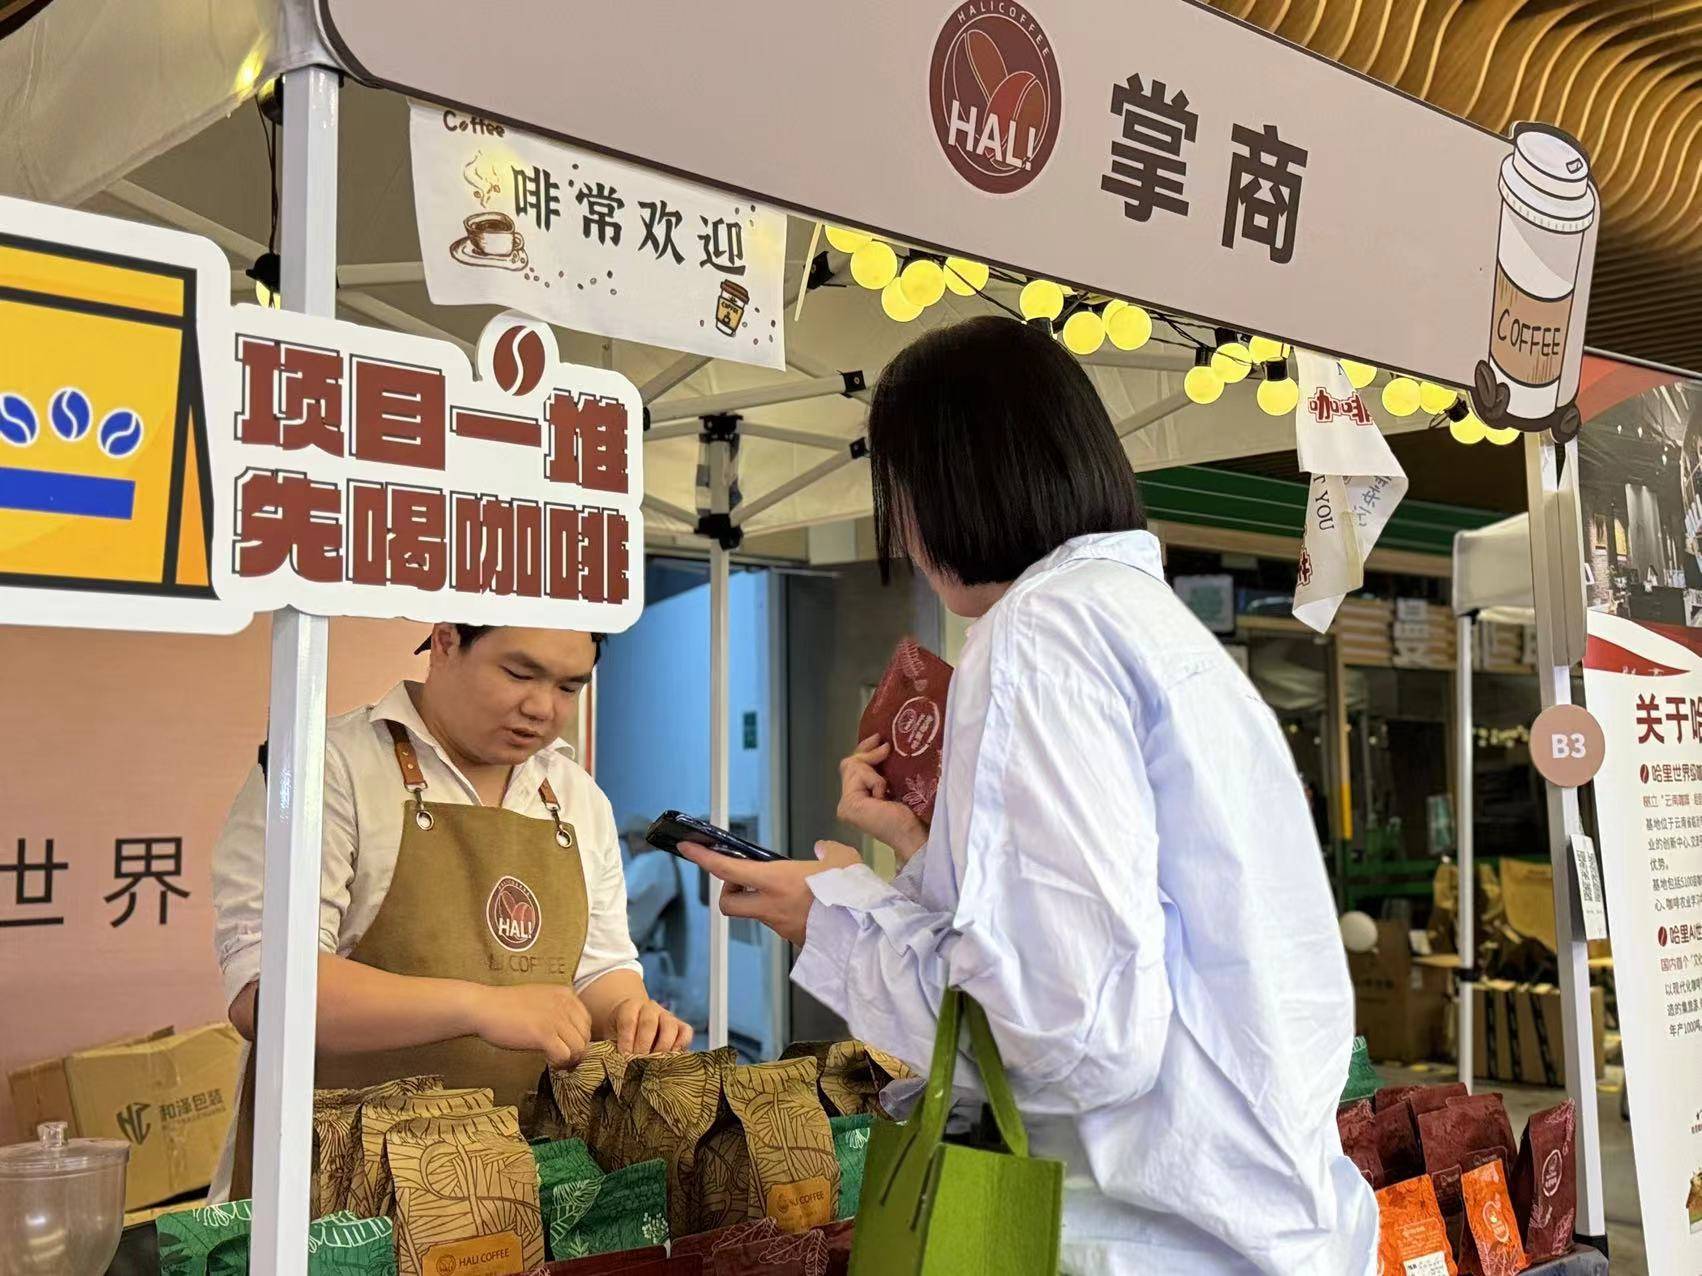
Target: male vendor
<point x="472" y="910"/>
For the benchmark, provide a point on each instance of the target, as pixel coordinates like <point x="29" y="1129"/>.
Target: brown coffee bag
<point x="794" y="1175"/>
<point x="582" y="1096"/>
<point x="665" y="1108"/>
<point x="853" y="1074"/>
<point x="1356" y="1124"/>
<point x="1492" y="1226"/>
<point x="1428" y="1098"/>
<point x="1459" y="1136"/>
<point x="1545" y="1189"/>
<point x="1397" y="1143"/>
<point x="466" y="1195"/>
<point x="336" y="1138"/>
<point x="369" y="1190"/>
<point x="908" y="712"/>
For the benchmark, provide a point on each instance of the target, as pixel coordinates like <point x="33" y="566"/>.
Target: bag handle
<point x="956" y="1007"/>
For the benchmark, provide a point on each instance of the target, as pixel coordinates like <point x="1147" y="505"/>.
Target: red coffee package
<point x="1461" y="1135"/>
<point x="1545" y="1192"/>
<point x="1493" y="1229"/>
<point x="1356" y="1125"/>
<point x="908" y="712"/>
<point x="1428" y="1098"/>
<point x="1411" y="1240"/>
<point x="1390" y="1095"/>
<point x="1397" y="1143"/>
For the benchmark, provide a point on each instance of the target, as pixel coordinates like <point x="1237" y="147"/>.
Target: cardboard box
<point x="1518" y="1035"/>
<point x="41" y="1092"/>
<point x="1400" y="1003"/>
<point x="171" y="1096"/>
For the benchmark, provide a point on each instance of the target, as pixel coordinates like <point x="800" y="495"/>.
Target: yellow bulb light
<point x="923" y="282"/>
<point x="846" y="240"/>
<point x="1278" y="398"/>
<point x="1359" y="375"/>
<point x="965" y="276"/>
<point x="1202" y="385"/>
<point x="1266" y="349"/>
<point x="1084" y="332"/>
<point x="1129" y="327"/>
<point x="1501" y="438"/>
<point x="1468" y="430"/>
<point x="1400" y="396"/>
<point x="874" y="265"/>
<point x="898" y="306"/>
<point x="1435" y="399"/>
<point x="1041" y="299"/>
<point x="1232" y="362"/>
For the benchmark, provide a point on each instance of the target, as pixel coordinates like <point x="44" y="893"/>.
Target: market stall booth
<point x="1087" y="220"/>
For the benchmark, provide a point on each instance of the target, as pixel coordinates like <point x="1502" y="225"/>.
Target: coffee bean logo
<point x="519" y="360"/>
<point x="70" y="414"/>
<point x="120" y="433"/>
<point x="994" y="91"/>
<point x="18" y="425"/>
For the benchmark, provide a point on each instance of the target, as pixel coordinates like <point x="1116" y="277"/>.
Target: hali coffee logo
<point x="914" y="726"/>
<point x="994" y="92"/>
<point x="513" y="914"/>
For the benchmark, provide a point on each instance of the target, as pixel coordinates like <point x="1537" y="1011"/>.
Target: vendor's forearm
<point x="363" y="1008"/>
<point x="604" y="995"/>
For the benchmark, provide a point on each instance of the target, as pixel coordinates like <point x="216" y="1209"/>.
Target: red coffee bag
<point x="1397" y="1143"/>
<point x="1357" y="1126"/>
<point x="1428" y="1098"/>
<point x="908" y="712"/>
<point x="1493" y="1229"/>
<point x="1461" y="1135"/>
<point x="1545" y="1191"/>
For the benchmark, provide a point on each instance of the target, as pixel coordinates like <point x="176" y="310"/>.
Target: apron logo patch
<point x="513" y="914"/>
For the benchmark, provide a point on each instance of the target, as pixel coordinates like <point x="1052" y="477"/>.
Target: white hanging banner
<point x="591" y="243"/>
<point x="1356" y="485"/>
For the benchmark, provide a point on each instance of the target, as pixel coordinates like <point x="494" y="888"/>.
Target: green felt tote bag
<point x="936" y="1208"/>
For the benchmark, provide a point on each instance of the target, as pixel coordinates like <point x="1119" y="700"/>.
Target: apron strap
<point x="564" y="830"/>
<point x="413" y="779"/>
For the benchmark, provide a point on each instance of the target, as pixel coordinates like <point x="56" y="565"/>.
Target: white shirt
<point x="1122" y="870"/>
<point x="363" y="831"/>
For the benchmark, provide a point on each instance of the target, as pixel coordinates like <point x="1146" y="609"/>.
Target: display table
<point x="1582" y="1261"/>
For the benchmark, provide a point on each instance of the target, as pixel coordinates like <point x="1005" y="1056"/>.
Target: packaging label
<point x="1528" y="337"/>
<point x="1430" y="1265"/>
<point x="498" y="1254"/>
<point x="799" y="1206"/>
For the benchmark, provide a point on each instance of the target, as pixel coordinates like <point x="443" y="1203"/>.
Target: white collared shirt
<point x="364" y="800"/>
<point x="1123" y="871"/>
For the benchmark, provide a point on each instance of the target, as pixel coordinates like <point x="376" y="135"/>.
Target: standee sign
<point x="1161" y="151"/>
<point x="169" y="461"/>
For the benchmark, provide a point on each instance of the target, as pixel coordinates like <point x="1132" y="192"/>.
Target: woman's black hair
<point x="990" y="448"/>
<point x="470" y="634"/>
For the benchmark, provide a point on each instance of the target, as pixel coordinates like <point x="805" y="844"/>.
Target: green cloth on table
<point x="596" y="1213"/>
<point x="851" y="1150"/>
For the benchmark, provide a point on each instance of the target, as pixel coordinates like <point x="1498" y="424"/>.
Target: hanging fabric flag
<point x="1356" y="485"/>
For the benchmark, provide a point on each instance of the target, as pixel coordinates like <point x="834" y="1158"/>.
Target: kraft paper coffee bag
<point x="853" y="1074"/>
<point x="336" y="1137"/>
<point x="1545" y="1189"/>
<point x="582" y="1095"/>
<point x="908" y="712"/>
<point x="794" y="1176"/>
<point x="665" y="1109"/>
<point x="466" y="1192"/>
<point x="369" y="1191"/>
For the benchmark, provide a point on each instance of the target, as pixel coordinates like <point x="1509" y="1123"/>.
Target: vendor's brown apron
<point x="479" y="894"/>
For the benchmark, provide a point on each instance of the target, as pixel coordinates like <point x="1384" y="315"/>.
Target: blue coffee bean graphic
<point x="71" y="414"/>
<point x="120" y="433"/>
<point x="17" y="420"/>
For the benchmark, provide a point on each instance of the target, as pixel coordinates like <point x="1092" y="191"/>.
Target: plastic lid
<point x="53" y="1155"/>
<point x="1547" y="177"/>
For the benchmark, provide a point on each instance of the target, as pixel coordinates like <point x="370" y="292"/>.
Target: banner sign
<point x="513" y="219"/>
<point x="171" y="462"/>
<point x="1164" y="152"/>
<point x="1637" y="482"/>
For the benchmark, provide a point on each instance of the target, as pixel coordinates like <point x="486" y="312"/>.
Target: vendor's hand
<point x="865" y="806"/>
<point x="642" y="1026"/>
<point x="777" y="893"/>
<point x="545" y="1017"/>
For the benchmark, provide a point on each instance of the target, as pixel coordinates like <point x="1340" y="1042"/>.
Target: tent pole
<point x="755" y="397"/>
<point x="720" y="487"/>
<point x="1152" y="414"/>
<point x="791" y="487"/>
<point x="1554" y="672"/>
<point x="1464" y="841"/>
<point x="289" y="955"/>
<point x="671" y="376"/>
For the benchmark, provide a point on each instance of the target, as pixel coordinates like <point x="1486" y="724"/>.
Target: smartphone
<point x="671" y="828"/>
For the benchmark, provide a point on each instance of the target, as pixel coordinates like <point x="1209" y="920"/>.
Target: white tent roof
<point x="139" y="108"/>
<point x="1492" y="572"/>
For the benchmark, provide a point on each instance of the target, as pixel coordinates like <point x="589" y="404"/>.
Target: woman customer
<point x="1122" y="869"/>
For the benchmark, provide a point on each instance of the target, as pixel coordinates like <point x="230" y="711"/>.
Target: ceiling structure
<point x="1623" y="77"/>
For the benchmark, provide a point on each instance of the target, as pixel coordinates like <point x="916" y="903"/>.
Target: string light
<point x="1468" y="430"/>
<point x="1436" y="399"/>
<point x="1232" y="362"/>
<point x="1501" y="437"/>
<point x="264" y="272"/>
<point x="874" y="264"/>
<point x="923" y="281"/>
<point x="1129" y="326"/>
<point x="1359" y="375"/>
<point x="1266" y="349"/>
<point x="1278" y="395"/>
<point x="897" y="304"/>
<point x="965" y="276"/>
<point x="1400" y="396"/>
<point x="1041" y="299"/>
<point x="846" y="240"/>
<point x="1202" y="385"/>
<point x="1084" y="332"/>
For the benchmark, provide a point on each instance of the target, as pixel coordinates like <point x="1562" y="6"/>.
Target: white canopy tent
<point x="139" y="108"/>
<point x="1492" y="581"/>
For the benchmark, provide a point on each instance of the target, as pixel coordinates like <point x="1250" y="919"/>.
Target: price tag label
<point x="1587" y="874"/>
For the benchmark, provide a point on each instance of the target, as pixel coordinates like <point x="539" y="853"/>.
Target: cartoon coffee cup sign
<point x="1548" y="208"/>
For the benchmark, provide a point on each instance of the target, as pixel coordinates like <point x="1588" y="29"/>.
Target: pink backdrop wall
<point x="115" y="735"/>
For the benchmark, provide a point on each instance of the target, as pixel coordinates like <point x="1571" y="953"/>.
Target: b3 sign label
<point x="1567" y="745"/>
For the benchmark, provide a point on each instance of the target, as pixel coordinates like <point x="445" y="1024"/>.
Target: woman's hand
<point x="864" y="805"/>
<point x="776" y="894"/>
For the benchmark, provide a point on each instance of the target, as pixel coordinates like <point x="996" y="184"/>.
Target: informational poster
<point x="1643" y="684"/>
<point x="171" y="462"/>
<point x="592" y="243"/>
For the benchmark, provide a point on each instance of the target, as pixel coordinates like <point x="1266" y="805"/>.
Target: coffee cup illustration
<point x="491" y="240"/>
<point x="1548" y="206"/>
<point x="730" y="305"/>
